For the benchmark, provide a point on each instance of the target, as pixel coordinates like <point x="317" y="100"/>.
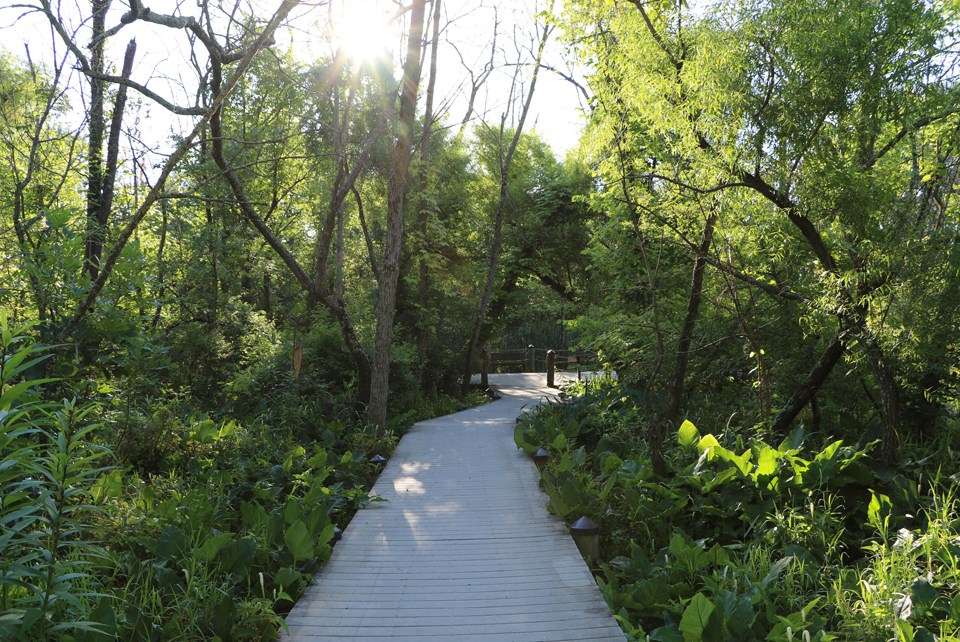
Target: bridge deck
<point x="463" y="550"/>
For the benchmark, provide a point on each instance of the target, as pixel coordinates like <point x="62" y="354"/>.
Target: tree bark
<point x="809" y="387"/>
<point x="96" y="126"/>
<point x="389" y="275"/>
<point x="686" y="334"/>
<point x="113" y="148"/>
<point x="889" y="402"/>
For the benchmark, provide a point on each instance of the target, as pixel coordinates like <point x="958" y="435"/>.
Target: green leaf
<point x="923" y="635"/>
<point x="212" y="546"/>
<point x="708" y="443"/>
<point x="955" y="608"/>
<point x="298" y="541"/>
<point x="738" y="613"/>
<point x="170" y="544"/>
<point x="291" y="510"/>
<point x="108" y="487"/>
<point x="776" y="569"/>
<point x="766" y="462"/>
<point x="237" y="556"/>
<point x="923" y="595"/>
<point x="104" y="622"/>
<point x="206" y="432"/>
<point x="287" y="576"/>
<point x="688" y="435"/>
<point x="228" y="429"/>
<point x="696" y="618"/>
<point x="668" y="633"/>
<point x="905" y="632"/>
<point x="793" y="441"/>
<point x="878" y="511"/>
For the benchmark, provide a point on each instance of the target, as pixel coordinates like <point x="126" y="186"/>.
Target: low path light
<point x="587" y="536"/>
<point x="540" y="457"/>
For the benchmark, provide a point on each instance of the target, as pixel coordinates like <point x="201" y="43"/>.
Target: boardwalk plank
<point x="463" y="548"/>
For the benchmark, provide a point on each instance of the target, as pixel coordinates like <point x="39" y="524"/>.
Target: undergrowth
<point x="127" y="513"/>
<point x="745" y="540"/>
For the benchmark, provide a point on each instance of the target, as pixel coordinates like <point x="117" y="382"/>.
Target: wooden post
<point x="531" y="359"/>
<point x="485" y="369"/>
<point x="551" y="368"/>
<point x="297" y="357"/>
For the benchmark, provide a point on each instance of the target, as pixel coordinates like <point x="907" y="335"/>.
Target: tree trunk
<point x="386" y="301"/>
<point x="96" y="126"/>
<point x="889" y="402"/>
<point x="315" y="291"/>
<point x="423" y="208"/>
<point x="113" y="147"/>
<point x="686" y="334"/>
<point x="505" y="162"/>
<point x="809" y="387"/>
<point x="260" y="42"/>
<point x="161" y="265"/>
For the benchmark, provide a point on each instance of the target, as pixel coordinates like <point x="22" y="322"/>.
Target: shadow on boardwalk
<point x="463" y="549"/>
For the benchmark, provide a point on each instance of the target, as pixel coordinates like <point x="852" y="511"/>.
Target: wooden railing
<point x="536" y="360"/>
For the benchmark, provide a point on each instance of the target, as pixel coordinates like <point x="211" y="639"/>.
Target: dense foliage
<point x="758" y="233"/>
<point x="744" y="540"/>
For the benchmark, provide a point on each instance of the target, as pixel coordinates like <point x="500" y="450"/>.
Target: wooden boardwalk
<point x="463" y="550"/>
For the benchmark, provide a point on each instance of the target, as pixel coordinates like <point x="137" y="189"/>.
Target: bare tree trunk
<point x="506" y="160"/>
<point x="386" y="301"/>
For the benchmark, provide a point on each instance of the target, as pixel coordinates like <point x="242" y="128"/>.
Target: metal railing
<point x="533" y="359"/>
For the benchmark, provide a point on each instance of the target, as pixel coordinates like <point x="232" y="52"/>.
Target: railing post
<point x="531" y="359"/>
<point x="551" y="368"/>
<point x="485" y="369"/>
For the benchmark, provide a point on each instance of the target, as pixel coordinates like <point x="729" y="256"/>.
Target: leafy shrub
<point x="754" y="541"/>
<point x="46" y="473"/>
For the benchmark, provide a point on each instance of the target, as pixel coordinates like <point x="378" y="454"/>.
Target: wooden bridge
<point x="463" y="549"/>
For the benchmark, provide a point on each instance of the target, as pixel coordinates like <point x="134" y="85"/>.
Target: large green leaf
<point x="298" y="541"/>
<point x="688" y="435"/>
<point x="212" y="546"/>
<point x="696" y="618"/>
<point x="666" y="634"/>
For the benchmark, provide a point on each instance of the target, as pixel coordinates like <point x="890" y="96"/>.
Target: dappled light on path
<point x="463" y="547"/>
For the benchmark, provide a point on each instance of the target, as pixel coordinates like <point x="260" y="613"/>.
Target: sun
<point x="364" y="30"/>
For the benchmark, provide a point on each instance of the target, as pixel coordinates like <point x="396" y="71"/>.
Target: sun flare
<point x="364" y="30"/>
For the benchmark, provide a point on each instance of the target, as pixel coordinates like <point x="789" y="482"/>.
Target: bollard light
<point x="586" y="534"/>
<point x="540" y="457"/>
<point x="337" y="534"/>
<point x="378" y="460"/>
